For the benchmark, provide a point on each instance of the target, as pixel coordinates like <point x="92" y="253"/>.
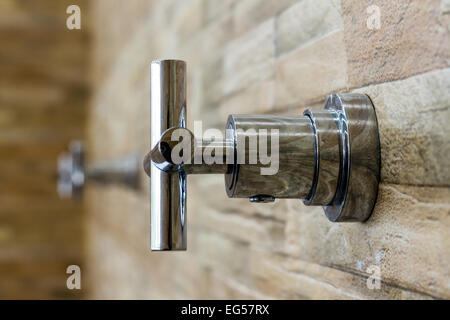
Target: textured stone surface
<point x="311" y="72"/>
<point x="445" y="6"/>
<point x="307" y="21"/>
<point x="411" y="40"/>
<point x="249" y="58"/>
<point x="248" y="14"/>
<point x="215" y="8"/>
<point x="415" y="144"/>
<point x="407" y="237"/>
<point x="258" y="98"/>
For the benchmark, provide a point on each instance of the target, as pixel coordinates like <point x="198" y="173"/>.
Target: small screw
<point x="262" y="198"/>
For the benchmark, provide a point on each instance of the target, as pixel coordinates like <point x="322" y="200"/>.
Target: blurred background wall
<point x="248" y="56"/>
<point x="43" y="103"/>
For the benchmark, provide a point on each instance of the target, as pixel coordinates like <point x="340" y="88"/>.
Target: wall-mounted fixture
<point x="328" y="157"/>
<point x="73" y="174"/>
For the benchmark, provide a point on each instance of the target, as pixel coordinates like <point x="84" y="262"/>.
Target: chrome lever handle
<point x="168" y="190"/>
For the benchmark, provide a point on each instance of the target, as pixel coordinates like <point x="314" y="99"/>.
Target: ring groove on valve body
<point x="327" y="157"/>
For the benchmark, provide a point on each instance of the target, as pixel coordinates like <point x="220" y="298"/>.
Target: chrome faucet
<point x="327" y="157"/>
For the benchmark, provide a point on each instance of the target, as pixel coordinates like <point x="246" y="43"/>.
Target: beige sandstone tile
<point x="310" y="73"/>
<point x="214" y="9"/>
<point x="247" y="14"/>
<point x="406" y="237"/>
<point x="445" y="6"/>
<point x="214" y="187"/>
<point x="413" y="119"/>
<point x="220" y="253"/>
<point x="226" y="288"/>
<point x="269" y="277"/>
<point x="307" y="21"/>
<point x="258" y="98"/>
<point x="249" y="58"/>
<point x="249" y="229"/>
<point x="209" y="43"/>
<point x="212" y="84"/>
<point x="352" y="284"/>
<point x="411" y="40"/>
<point x="187" y="18"/>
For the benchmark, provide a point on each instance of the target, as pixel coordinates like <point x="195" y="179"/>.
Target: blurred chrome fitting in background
<point x="73" y="174"/>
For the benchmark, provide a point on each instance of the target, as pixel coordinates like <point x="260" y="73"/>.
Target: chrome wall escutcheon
<point x="329" y="157"/>
<point x="360" y="163"/>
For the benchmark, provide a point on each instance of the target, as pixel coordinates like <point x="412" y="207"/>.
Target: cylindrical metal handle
<point x="168" y="190"/>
